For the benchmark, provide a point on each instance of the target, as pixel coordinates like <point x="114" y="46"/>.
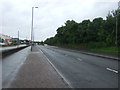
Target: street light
<point x="32" y="35"/>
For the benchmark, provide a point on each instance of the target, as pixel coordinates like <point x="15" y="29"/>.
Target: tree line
<point x="96" y="31"/>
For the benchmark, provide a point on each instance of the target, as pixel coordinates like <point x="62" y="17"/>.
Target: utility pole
<point x="32" y="29"/>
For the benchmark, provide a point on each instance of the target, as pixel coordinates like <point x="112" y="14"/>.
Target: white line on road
<point x="67" y="82"/>
<point x="66" y="55"/>
<point x="112" y="70"/>
<point x="79" y="59"/>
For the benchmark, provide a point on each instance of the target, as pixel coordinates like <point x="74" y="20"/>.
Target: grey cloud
<point x="49" y="16"/>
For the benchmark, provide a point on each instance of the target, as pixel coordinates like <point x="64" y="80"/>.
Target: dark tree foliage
<point x="98" y="30"/>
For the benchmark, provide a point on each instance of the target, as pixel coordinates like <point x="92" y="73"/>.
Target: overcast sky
<point x="51" y="14"/>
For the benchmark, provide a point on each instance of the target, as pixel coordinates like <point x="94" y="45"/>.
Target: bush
<point x="95" y="45"/>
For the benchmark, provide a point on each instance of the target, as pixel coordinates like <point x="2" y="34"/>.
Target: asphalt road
<point x="83" y="71"/>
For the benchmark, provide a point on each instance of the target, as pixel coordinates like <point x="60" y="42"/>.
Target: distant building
<point x="5" y="39"/>
<point x="15" y="41"/>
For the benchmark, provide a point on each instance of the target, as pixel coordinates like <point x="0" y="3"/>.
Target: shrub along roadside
<point x="102" y="47"/>
<point x="98" y="34"/>
<point x="111" y="49"/>
<point x="92" y="46"/>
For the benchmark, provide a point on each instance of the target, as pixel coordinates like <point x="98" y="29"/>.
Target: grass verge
<point x="112" y="49"/>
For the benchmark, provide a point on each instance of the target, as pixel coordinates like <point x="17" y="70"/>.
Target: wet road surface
<point x="11" y="64"/>
<point x="83" y="71"/>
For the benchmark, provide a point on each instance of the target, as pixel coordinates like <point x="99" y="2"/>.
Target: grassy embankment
<point x="111" y="49"/>
<point x="6" y="45"/>
<point x="94" y="46"/>
<point x="102" y="47"/>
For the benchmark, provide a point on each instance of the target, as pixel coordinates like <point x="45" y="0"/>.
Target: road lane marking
<point x="64" y="79"/>
<point x="112" y="70"/>
<point x="79" y="59"/>
<point x="66" y="55"/>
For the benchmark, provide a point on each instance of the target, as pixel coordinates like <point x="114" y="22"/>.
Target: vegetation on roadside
<point x="7" y="45"/>
<point x="98" y="35"/>
<point x="107" y="49"/>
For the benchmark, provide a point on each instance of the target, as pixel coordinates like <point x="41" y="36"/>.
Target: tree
<point x="98" y="30"/>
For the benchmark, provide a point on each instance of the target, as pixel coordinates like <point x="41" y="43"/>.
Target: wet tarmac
<point x="81" y="70"/>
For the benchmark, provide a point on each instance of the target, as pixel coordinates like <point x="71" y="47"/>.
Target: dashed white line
<point x="79" y="59"/>
<point x="115" y="71"/>
<point x="66" y="55"/>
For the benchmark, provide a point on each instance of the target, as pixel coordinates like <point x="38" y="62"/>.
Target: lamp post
<point x="32" y="35"/>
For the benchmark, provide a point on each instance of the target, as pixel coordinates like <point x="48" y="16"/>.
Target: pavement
<point x="37" y="72"/>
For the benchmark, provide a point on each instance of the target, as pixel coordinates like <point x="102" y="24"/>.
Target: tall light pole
<point x="32" y="35"/>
